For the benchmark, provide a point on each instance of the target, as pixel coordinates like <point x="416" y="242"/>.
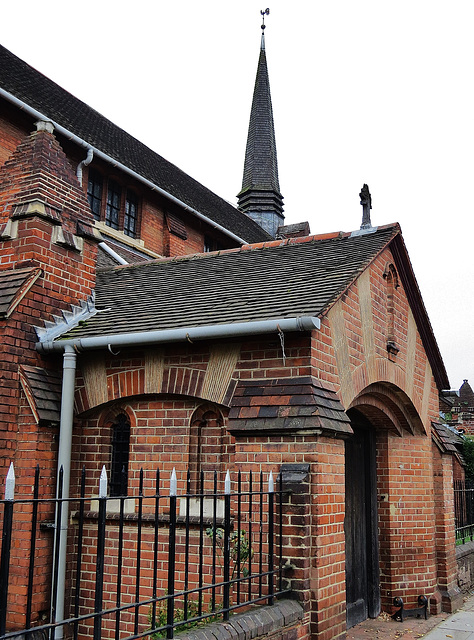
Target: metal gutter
<point x="185" y="334"/>
<point x="116" y="164"/>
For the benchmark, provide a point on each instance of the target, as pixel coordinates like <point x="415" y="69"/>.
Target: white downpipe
<point x="103" y="156"/>
<point x="186" y="334"/>
<point x="64" y="461"/>
<point x="84" y="163"/>
<point x="111" y="252"/>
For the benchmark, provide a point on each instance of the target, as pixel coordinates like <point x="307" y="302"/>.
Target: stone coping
<point x="251" y="624"/>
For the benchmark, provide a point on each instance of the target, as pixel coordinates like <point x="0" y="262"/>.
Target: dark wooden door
<point x="360" y="526"/>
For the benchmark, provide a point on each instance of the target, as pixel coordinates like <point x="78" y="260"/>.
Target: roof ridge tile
<point x="257" y="246"/>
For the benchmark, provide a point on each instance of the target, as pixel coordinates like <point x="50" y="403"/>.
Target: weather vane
<point x="265" y="12"/>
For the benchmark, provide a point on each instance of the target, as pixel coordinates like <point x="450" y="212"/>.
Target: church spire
<point x="260" y="195"/>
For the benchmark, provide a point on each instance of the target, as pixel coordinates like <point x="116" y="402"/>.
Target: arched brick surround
<point x="404" y="486"/>
<point x="208" y="442"/>
<point x="100" y="385"/>
<point x="387" y="406"/>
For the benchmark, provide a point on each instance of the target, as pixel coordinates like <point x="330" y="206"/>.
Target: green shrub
<point x="468" y="453"/>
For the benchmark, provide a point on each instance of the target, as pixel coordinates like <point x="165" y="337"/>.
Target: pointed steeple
<point x="466" y="394"/>
<point x="260" y="195"/>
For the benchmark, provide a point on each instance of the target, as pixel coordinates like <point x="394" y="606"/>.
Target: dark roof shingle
<point x="28" y="85"/>
<point x="280" y="279"/>
<point x="14" y="284"/>
<point x="286" y="404"/>
<point x="43" y="390"/>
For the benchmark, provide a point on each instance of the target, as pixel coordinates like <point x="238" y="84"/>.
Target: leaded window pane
<point x="131" y="215"/>
<point x="120" y="456"/>
<point x="112" y="211"/>
<point x="94" y="193"/>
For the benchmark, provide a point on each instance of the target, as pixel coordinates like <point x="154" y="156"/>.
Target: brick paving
<point x="384" y="628"/>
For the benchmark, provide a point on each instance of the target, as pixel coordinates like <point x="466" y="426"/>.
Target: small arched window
<point x="120" y="455"/>
<point x="206" y="446"/>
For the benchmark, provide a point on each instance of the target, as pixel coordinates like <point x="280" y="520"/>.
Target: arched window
<point x="206" y="446"/>
<point x="120" y="455"/>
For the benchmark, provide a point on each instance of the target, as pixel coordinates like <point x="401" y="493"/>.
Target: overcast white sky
<point x="362" y="91"/>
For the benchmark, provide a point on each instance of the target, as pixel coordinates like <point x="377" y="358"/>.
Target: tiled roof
<point x="289" y="404"/>
<point x="41" y="93"/>
<point x="278" y="279"/>
<point x="14" y="284"/>
<point x="447" y="438"/>
<point x="43" y="390"/>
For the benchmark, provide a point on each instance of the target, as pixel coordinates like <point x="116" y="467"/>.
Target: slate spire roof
<point x="260" y="195"/>
<point x="24" y="83"/>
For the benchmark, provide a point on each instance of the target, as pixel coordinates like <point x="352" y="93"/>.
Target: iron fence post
<point x="6" y="546"/>
<point x="226" y="602"/>
<point x="31" y="567"/>
<point x="99" y="580"/>
<point x="171" y="557"/>
<point x="80" y="537"/>
<point x="155" y="549"/>
<point x="57" y="543"/>
<point x="139" y="550"/>
<point x="271" y="496"/>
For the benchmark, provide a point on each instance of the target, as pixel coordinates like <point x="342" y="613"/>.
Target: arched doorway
<point x="360" y="524"/>
<point x="380" y="498"/>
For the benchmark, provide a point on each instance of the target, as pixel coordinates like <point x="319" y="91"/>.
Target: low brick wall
<point x="465" y="561"/>
<point x="282" y="620"/>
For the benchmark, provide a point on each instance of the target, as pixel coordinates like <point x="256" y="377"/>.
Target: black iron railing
<point x="141" y="564"/>
<point x="464" y="512"/>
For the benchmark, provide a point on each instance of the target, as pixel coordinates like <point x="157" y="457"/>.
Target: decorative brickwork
<point x="288" y="403"/>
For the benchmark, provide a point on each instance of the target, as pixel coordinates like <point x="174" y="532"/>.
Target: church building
<point x="147" y="323"/>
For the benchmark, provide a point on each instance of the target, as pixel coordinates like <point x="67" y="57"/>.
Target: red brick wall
<point x="443" y="467"/>
<point x="162" y="434"/>
<point x="15" y="126"/>
<point x="406" y="518"/>
<point x="34" y="447"/>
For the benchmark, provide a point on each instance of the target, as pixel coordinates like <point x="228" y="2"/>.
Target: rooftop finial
<point x="263" y="13"/>
<point x="366" y="202"/>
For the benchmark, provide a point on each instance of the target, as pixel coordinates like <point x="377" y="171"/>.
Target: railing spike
<point x="10" y="483"/>
<point x="227" y="483"/>
<point x="173" y="483"/>
<point x="271" y="484"/>
<point x="103" y="483"/>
